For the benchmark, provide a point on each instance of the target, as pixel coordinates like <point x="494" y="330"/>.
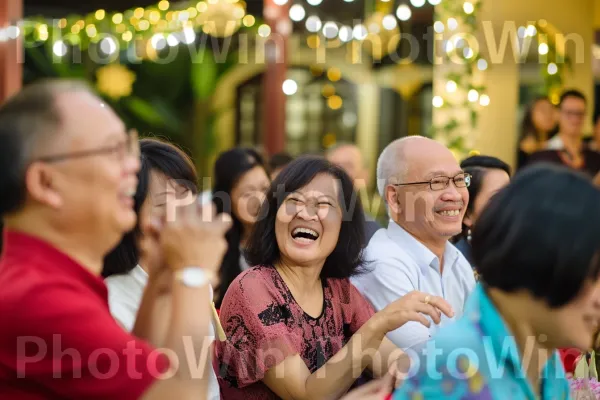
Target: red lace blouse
<point x="264" y="325"/>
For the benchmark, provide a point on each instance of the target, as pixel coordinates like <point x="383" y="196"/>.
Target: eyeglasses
<point x="128" y="147"/>
<point x="461" y="180"/>
<point x="574" y="114"/>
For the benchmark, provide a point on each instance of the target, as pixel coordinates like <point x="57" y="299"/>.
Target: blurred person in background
<point x="277" y="162"/>
<point x="240" y="182"/>
<point x="296" y="327"/>
<point x="68" y="174"/>
<point x="537" y="249"/>
<point x="427" y="195"/>
<point x="488" y="176"/>
<point x="567" y="147"/>
<point x="594" y="143"/>
<point x="167" y="175"/>
<point x="349" y="157"/>
<point x="539" y="125"/>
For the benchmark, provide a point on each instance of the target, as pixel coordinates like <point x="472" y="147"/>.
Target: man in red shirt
<point x="67" y="177"/>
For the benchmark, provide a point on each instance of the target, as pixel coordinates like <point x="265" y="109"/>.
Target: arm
<point x="291" y="379"/>
<point x="176" y="316"/>
<point x="190" y="317"/>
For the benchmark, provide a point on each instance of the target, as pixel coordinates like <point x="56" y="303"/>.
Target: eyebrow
<point x="442" y="173"/>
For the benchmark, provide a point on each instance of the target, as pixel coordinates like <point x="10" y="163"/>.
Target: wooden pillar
<point x="11" y="50"/>
<point x="277" y="17"/>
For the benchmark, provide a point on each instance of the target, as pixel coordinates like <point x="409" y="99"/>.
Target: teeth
<point x="451" y="213"/>
<point x="305" y="230"/>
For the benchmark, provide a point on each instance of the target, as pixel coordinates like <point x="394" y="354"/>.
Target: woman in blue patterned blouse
<point x="537" y="248"/>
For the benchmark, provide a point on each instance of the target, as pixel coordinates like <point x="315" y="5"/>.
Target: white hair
<point x="391" y="165"/>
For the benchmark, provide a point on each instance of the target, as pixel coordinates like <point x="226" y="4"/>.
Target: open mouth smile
<point x="304" y="235"/>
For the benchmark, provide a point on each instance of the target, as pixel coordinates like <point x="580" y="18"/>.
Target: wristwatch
<point x="193" y="277"/>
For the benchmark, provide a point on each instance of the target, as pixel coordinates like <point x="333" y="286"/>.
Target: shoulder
<point x="254" y="288"/>
<point x="383" y="253"/>
<point x="343" y="289"/>
<point x="255" y="278"/>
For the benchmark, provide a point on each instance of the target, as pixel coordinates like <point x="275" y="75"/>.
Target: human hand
<point x="597" y="179"/>
<point x="379" y="389"/>
<point x="414" y="306"/>
<point x="196" y="237"/>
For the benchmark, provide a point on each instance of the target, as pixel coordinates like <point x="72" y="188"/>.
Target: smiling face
<point x="308" y="222"/>
<point x="493" y="181"/>
<point x="96" y="191"/>
<point x="429" y="215"/>
<point x="248" y="194"/>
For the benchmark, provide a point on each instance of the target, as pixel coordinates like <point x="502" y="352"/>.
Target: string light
<point x="201" y="6"/>
<point x="264" y="30"/>
<point x="543" y="48"/>
<point x="359" y="32"/>
<point x="59" y="48"/>
<point x="438" y="27"/>
<point x="437" y="101"/>
<point x="552" y="69"/>
<point x="117" y="18"/>
<point x="482" y="64"/>
<point x="139" y="13"/>
<point x="249" y="20"/>
<point x="403" y="12"/>
<point x="468" y="7"/>
<point x="484" y="100"/>
<point x="91" y="30"/>
<point x="473" y="95"/>
<point x="313" y="24"/>
<point x="62" y="24"/>
<point x="163" y="5"/>
<point x="452" y="24"/>
<point x="100" y="14"/>
<point x="335" y="102"/>
<point x="389" y="22"/>
<point x="297" y="12"/>
<point x="289" y="87"/>
<point x="417" y="3"/>
<point x="451" y="86"/>
<point x="345" y="34"/>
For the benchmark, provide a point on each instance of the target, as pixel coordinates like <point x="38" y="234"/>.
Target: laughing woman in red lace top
<point x="296" y="327"/>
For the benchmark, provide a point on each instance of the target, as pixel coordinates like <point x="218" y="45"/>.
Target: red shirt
<point x="57" y="336"/>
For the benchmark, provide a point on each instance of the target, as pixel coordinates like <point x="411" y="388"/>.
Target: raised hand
<point x="413" y="306"/>
<point x="196" y="237"/>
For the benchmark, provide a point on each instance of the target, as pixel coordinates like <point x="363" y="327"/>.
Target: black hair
<point x="169" y="160"/>
<point x="347" y="258"/>
<point x="572" y="93"/>
<point x="279" y="160"/>
<point x="541" y="234"/>
<point x="229" y="169"/>
<point x="527" y="126"/>
<point x="478" y="167"/>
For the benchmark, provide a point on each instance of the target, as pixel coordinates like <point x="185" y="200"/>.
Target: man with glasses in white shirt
<point x="426" y="194"/>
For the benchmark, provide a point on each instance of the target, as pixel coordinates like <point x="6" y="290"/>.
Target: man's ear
<point x="39" y="183"/>
<point x="391" y="198"/>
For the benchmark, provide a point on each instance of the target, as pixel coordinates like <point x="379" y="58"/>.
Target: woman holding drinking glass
<point x="296" y="327"/>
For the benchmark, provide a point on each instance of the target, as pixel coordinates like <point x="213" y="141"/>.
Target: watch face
<point x="194" y="277"/>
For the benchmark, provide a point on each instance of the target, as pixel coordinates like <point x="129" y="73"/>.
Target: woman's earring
<point x="469" y="235"/>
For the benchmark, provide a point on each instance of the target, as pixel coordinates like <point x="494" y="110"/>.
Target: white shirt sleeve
<point x="385" y="284"/>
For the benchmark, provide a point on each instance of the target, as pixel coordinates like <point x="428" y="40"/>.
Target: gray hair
<point x="391" y="165"/>
<point x="28" y="121"/>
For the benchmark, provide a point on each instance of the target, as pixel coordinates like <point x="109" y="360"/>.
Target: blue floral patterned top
<point x="478" y="358"/>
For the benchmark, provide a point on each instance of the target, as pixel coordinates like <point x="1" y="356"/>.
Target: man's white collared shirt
<point x="399" y="264"/>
